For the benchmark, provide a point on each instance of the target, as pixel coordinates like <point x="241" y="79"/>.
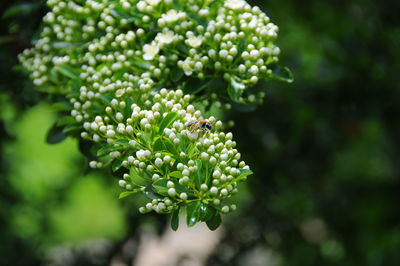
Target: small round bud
<point x="225" y="209"/>
<point x="171" y="191"/>
<point x="213" y="190"/>
<point x="183" y="196"/>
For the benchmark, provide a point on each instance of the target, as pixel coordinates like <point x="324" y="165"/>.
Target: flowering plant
<point x="126" y="74"/>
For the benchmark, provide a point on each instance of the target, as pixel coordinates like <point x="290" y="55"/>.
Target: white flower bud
<point x="225" y="209"/>
<point x="122" y="183"/>
<point x="132" y="143"/>
<point x="183" y="196"/>
<point x="185" y="172"/>
<point x="158" y="162"/>
<point x="171" y="191"/>
<point x="213" y="190"/>
<point x="205" y="156"/>
<point x="224" y="192"/>
<point x="216" y="174"/>
<point x="110" y="133"/>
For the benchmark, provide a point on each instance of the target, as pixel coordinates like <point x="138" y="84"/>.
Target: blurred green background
<point x="324" y="151"/>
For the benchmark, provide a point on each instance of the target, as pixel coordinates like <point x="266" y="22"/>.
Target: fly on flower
<point x="204" y="125"/>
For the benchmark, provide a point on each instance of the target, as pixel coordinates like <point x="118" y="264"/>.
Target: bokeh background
<point x="324" y="151"/>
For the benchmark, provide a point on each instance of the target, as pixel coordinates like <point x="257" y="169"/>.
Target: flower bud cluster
<point x="206" y="40"/>
<point x="111" y="59"/>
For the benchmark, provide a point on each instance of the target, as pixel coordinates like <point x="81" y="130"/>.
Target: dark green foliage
<point x="323" y="148"/>
<point x="326" y="146"/>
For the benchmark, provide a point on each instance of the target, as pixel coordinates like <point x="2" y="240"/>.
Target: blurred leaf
<point x="7" y="39"/>
<point x="61" y="106"/>
<point x="281" y="73"/>
<point x="128" y="193"/>
<point x="176" y="74"/>
<point x="67" y="71"/>
<point x="214" y="222"/>
<point x="193" y="213"/>
<point x="21" y="9"/>
<point x="243" y="173"/>
<point x="55" y="134"/>
<point x="65" y="120"/>
<point x="116" y="165"/>
<point x="193" y="86"/>
<point x="72" y="128"/>
<point x="235" y="89"/>
<point x="175" y="219"/>
<point x="119" y="12"/>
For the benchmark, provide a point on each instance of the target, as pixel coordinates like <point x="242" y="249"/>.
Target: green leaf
<point x="67" y="71"/>
<point x="281" y="73"/>
<point x="167" y="120"/>
<point x="116" y="165"/>
<point x="55" y="134"/>
<point x="243" y="173"/>
<point x="20" y="9"/>
<point x="207" y="212"/>
<point x="62" y="106"/>
<point x="142" y="64"/>
<point x="158" y="144"/>
<point x="176" y="174"/>
<point x="123" y="142"/>
<point x="235" y="89"/>
<point x="106" y="99"/>
<point x="171" y="147"/>
<point x="138" y="179"/>
<point x="106" y="149"/>
<point x="193" y="213"/>
<point x="214" y="222"/>
<point x="200" y="175"/>
<point x="119" y="12"/>
<point x="65" y="120"/>
<point x="149" y="193"/>
<point x="72" y="128"/>
<point x="175" y="219"/>
<point x="196" y="18"/>
<point x="194" y="85"/>
<point x="176" y="74"/>
<point x="128" y="193"/>
<point x="160" y="186"/>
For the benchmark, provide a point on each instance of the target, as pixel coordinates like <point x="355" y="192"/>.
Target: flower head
<point x="150" y="51"/>
<point x="194" y="41"/>
<point x="165" y="37"/>
<point x="235" y="4"/>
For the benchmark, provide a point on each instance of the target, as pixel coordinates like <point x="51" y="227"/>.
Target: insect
<point x="204" y="125"/>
